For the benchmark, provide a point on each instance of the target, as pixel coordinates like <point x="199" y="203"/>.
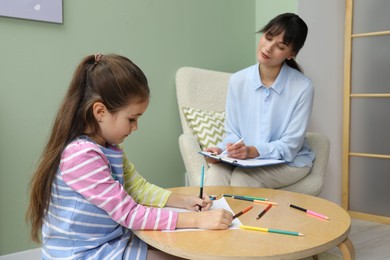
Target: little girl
<point x="85" y="196"/>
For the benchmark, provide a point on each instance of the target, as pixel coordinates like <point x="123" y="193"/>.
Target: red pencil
<point x="242" y="212"/>
<point x="264" y="211"/>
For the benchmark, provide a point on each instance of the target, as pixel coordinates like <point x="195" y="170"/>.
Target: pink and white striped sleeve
<point x="84" y="167"/>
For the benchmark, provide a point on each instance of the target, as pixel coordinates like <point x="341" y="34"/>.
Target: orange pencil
<point x="242" y="212"/>
<point x="264" y="211"/>
<point x="265" y="202"/>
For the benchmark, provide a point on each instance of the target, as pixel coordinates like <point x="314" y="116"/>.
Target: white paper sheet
<point x="217" y="204"/>
<point x="247" y="163"/>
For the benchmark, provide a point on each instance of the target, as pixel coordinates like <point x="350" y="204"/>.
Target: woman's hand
<point x="213" y="150"/>
<point x="212" y="219"/>
<point x="241" y="151"/>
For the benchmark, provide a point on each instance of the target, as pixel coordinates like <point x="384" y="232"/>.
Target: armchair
<point x="206" y="90"/>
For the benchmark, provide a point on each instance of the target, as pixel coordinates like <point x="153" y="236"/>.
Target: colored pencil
<point x="250" y="199"/>
<point x="242" y="212"/>
<point x="265" y="202"/>
<point x="309" y="212"/>
<point x="213" y="197"/>
<point x="253" y="200"/>
<point x="271" y="230"/>
<point x="246" y="197"/>
<point x="256" y="198"/>
<point x="201" y="186"/>
<point x="264" y="211"/>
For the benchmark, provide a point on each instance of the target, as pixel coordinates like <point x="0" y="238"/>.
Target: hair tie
<point x="98" y="57"/>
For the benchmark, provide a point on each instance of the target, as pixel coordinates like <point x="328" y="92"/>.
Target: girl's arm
<point x="140" y="189"/>
<point x="189" y="202"/>
<point x="85" y="169"/>
<point x="156" y="196"/>
<point x="148" y="194"/>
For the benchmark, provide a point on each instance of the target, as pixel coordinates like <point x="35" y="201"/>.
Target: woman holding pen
<point x="268" y="109"/>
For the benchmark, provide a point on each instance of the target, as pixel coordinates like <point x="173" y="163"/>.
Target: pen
<point x="264" y="211"/>
<point x="225" y="151"/>
<point x="249" y="197"/>
<point x="201" y="187"/>
<point x="271" y="230"/>
<point x="309" y="212"/>
<point x="242" y="212"/>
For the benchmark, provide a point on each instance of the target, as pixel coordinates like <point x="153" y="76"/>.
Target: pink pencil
<point x="309" y="212"/>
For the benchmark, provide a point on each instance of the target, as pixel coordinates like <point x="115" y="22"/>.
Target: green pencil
<point x="246" y="197"/>
<point x="271" y="230"/>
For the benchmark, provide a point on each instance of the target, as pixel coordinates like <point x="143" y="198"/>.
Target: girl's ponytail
<point x="63" y="127"/>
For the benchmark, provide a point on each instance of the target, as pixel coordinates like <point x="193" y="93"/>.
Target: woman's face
<point x="272" y="51"/>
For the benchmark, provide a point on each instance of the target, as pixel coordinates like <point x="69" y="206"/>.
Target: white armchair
<point x="206" y="90"/>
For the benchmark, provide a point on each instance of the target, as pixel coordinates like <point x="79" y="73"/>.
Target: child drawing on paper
<point x="85" y="196"/>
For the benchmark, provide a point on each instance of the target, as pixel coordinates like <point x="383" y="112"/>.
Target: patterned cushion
<point x="207" y="126"/>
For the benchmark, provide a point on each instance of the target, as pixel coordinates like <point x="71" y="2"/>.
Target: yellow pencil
<point x="271" y="230"/>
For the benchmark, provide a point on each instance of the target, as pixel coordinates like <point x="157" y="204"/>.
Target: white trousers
<point x="273" y="176"/>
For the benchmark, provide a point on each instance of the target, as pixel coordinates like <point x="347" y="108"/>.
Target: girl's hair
<point x="111" y="79"/>
<point x="295" y="32"/>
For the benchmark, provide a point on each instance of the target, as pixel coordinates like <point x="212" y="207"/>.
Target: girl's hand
<point x="215" y="219"/>
<point x="189" y="202"/>
<point x="212" y="219"/>
<point x="193" y="203"/>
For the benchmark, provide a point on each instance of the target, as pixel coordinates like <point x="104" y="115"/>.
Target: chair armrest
<point x="312" y="184"/>
<point x="189" y="148"/>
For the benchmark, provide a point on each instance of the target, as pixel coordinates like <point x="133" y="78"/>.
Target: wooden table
<point x="319" y="234"/>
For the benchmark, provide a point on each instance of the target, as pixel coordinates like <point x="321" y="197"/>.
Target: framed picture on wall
<point x="38" y="10"/>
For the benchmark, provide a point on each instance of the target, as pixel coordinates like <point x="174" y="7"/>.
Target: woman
<point x="269" y="105"/>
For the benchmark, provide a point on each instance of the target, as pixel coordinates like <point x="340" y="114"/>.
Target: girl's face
<point x="272" y="51"/>
<point x="115" y="127"/>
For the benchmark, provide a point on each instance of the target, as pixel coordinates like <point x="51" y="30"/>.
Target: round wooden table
<point x="319" y="234"/>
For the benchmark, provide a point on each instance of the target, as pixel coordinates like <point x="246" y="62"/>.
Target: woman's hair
<point x="111" y="79"/>
<point x="295" y="32"/>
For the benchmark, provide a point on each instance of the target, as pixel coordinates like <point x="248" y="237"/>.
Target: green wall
<point x="268" y="9"/>
<point x="38" y="59"/>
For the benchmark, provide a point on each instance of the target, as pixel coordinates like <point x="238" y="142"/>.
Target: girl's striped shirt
<point x="97" y="198"/>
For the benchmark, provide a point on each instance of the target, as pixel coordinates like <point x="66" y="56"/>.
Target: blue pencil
<point x="201" y="186"/>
